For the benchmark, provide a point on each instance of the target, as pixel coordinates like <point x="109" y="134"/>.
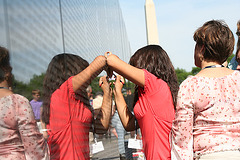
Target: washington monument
<point x="151" y="23"/>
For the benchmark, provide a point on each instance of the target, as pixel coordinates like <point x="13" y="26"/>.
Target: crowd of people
<point x="200" y="119"/>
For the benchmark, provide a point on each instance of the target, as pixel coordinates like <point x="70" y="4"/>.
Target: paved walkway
<point x="110" y="149"/>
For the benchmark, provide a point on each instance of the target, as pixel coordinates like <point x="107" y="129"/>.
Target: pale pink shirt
<point x="19" y="136"/>
<point x="207" y="116"/>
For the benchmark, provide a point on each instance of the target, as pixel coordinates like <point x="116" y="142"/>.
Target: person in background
<point x="152" y="72"/>
<point x="235" y="61"/>
<point x="238" y="58"/>
<point x="97" y="103"/>
<point x="90" y="95"/>
<point x="19" y="135"/>
<point x="36" y="104"/>
<point x="120" y="131"/>
<point x="129" y="98"/>
<point x="207" y="122"/>
<point x="238" y="46"/>
<point x="66" y="108"/>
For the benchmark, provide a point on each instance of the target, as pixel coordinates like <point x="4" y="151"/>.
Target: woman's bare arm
<point x="127" y="118"/>
<point x="83" y="79"/>
<point x="102" y="121"/>
<point x="133" y="74"/>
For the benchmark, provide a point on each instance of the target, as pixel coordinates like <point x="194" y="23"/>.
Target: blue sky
<point x="177" y="20"/>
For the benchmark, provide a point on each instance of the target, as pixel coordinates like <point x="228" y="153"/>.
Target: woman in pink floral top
<point x="207" y="122"/>
<point x="19" y="135"/>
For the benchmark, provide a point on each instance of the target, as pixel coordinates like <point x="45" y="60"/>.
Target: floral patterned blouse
<point x="207" y="116"/>
<point x="19" y="136"/>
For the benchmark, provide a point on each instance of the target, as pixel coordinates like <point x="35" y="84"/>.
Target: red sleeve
<point x="67" y="89"/>
<point x="152" y="83"/>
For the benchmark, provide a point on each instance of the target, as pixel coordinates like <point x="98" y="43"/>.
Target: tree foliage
<point x="36" y="82"/>
<point x="195" y="70"/>
<point x="182" y="74"/>
<point x="230" y="57"/>
<point x="25" y="89"/>
<point x="21" y="88"/>
<point x="95" y="85"/>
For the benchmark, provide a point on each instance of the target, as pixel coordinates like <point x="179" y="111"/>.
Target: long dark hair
<point x="5" y="67"/>
<point x="156" y="61"/>
<point x="61" y="67"/>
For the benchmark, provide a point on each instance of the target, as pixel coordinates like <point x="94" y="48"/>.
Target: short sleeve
<point x="33" y="141"/>
<point x="155" y="97"/>
<point x="152" y="83"/>
<point x="67" y="89"/>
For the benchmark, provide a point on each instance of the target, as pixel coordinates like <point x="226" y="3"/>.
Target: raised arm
<point x="84" y="78"/>
<point x="133" y="74"/>
<point x="103" y="118"/>
<point x="127" y="118"/>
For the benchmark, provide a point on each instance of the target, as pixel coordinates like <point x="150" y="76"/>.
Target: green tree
<point x="129" y="85"/>
<point x="230" y="57"/>
<point x="195" y="70"/>
<point x="37" y="82"/>
<point x="182" y="74"/>
<point x="25" y="89"/>
<point x="95" y="85"/>
<point x="21" y="88"/>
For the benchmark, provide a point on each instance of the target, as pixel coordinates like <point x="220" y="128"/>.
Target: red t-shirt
<point x="68" y="137"/>
<point x="154" y="112"/>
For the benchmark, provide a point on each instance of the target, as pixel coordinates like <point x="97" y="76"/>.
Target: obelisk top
<point x="151" y="23"/>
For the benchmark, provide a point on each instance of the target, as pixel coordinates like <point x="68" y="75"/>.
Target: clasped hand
<point x="111" y="80"/>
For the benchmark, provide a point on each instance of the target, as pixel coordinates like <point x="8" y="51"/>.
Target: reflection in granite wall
<point x="34" y="31"/>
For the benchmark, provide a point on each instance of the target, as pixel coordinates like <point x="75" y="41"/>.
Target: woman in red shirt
<point x="155" y="97"/>
<point x="66" y="108"/>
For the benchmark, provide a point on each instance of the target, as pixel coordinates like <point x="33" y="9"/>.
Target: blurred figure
<point x="97" y="103"/>
<point x="235" y="61"/>
<point x="129" y="98"/>
<point x="238" y="46"/>
<point x="90" y="97"/>
<point x="117" y="124"/>
<point x="19" y="135"/>
<point x="238" y="59"/>
<point x="66" y="108"/>
<point x="207" y="122"/>
<point x="89" y="94"/>
<point x="36" y="104"/>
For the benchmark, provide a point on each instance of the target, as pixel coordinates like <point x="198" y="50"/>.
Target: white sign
<point x="135" y="143"/>
<point x="96" y="147"/>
